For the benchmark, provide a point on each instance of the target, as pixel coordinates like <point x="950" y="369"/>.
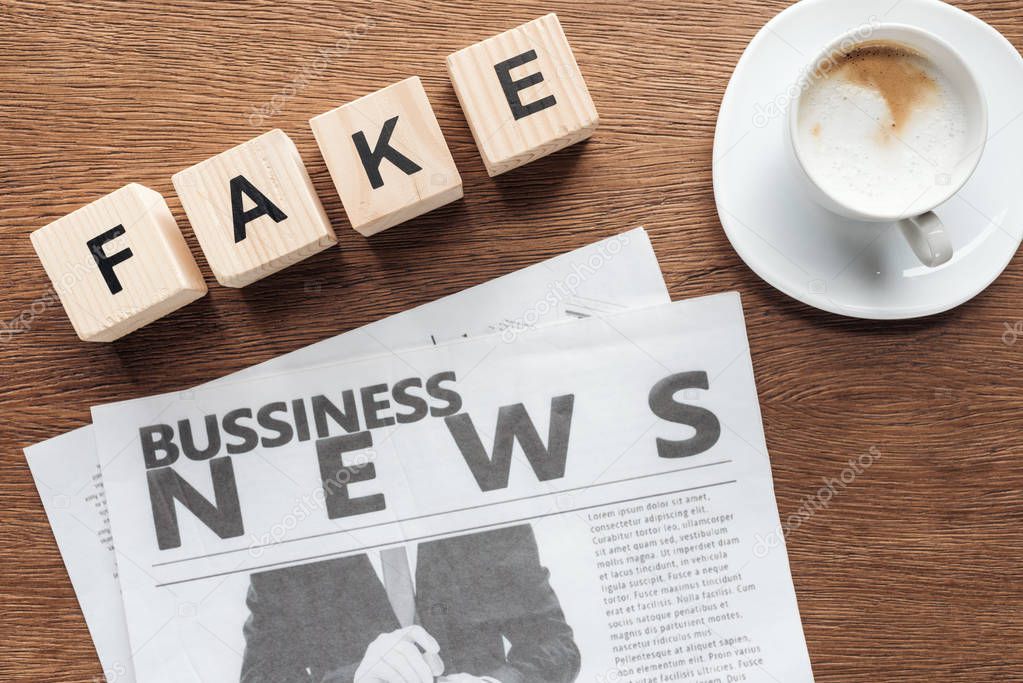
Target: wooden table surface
<point x="913" y="573"/>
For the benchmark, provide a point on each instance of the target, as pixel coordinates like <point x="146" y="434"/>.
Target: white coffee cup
<point x="921" y="226"/>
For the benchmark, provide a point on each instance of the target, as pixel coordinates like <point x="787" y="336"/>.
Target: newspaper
<point x="614" y="274"/>
<point x="580" y="501"/>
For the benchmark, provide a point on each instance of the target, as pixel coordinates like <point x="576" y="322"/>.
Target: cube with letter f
<point x="387" y="157"/>
<point x="119" y="263"/>
<point x="523" y="94"/>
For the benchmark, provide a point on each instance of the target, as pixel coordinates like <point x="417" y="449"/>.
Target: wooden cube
<point x="387" y="157"/>
<point x="119" y="263"/>
<point x="523" y="94"/>
<point x="254" y="209"/>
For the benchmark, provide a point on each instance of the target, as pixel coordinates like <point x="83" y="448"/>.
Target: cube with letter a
<point x="387" y="157"/>
<point x="254" y="209"/>
<point x="523" y="94"/>
<point x="119" y="263"/>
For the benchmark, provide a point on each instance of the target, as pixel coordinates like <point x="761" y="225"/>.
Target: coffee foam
<point x="881" y="127"/>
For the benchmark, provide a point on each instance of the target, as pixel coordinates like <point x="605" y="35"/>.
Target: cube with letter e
<point x="254" y="209"/>
<point x="119" y="263"/>
<point x="523" y="94"/>
<point x="387" y="157"/>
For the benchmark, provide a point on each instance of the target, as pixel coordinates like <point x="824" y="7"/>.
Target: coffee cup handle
<point x="926" y="235"/>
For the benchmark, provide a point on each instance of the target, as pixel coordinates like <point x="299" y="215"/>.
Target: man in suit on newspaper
<point x="472" y="608"/>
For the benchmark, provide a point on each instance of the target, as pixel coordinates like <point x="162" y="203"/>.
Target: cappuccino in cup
<point x="889" y="127"/>
<point x="881" y="125"/>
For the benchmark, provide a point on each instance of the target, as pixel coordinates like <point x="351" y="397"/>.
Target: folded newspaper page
<point x="579" y="501"/>
<point x="614" y="274"/>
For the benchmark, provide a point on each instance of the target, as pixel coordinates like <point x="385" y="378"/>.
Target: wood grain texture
<point x="912" y="573"/>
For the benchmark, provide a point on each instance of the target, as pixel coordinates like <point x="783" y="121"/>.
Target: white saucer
<point x="831" y="263"/>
